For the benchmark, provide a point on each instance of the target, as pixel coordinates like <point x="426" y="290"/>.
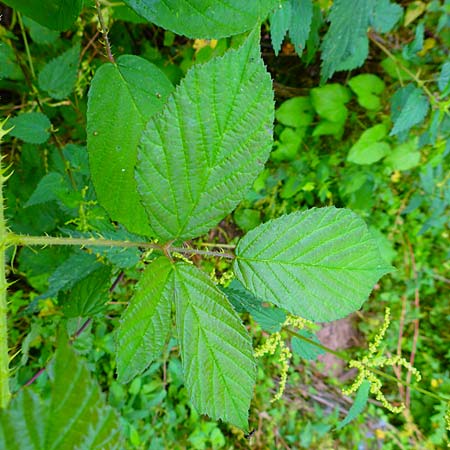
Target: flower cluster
<point x="373" y="360"/>
<point x="275" y="342"/>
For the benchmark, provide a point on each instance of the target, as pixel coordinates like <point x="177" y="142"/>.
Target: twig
<point x="35" y="377"/>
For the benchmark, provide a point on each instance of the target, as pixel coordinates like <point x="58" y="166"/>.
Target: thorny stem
<point x="104" y="31"/>
<point x="5" y="393"/>
<point x="194" y="251"/>
<point x="25" y="240"/>
<point x="212" y="244"/>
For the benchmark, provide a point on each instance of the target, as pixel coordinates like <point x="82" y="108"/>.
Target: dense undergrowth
<point x="340" y="141"/>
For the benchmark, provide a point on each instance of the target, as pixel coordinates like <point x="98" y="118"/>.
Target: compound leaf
<point x="216" y="350"/>
<point x="122" y="98"/>
<point x="320" y="264"/>
<point x="146" y="323"/>
<point x="345" y="44"/>
<point x="59" y="75"/>
<point x="198" y="157"/>
<point x="204" y="19"/>
<point x="56" y="15"/>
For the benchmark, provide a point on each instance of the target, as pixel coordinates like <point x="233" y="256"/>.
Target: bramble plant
<point x="168" y="164"/>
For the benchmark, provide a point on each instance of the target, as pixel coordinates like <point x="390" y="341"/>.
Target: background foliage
<point x="362" y="122"/>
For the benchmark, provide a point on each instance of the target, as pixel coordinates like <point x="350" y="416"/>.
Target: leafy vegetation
<point x="189" y="200"/>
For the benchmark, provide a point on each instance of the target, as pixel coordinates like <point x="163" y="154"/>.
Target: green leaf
<point x="280" y="21"/>
<point x="368" y="88"/>
<point x="320" y="264"/>
<point x="409" y="52"/>
<point x="21" y="425"/>
<point x="394" y="67"/>
<point x="444" y="78"/>
<point x="204" y="19"/>
<point x="404" y="157"/>
<point x="302" y="13"/>
<point x="294" y="16"/>
<point x="295" y="112"/>
<point x="329" y="102"/>
<point x="345" y="44"/>
<point x="31" y="127"/>
<point x="122" y="98"/>
<point x="145" y="325"/>
<point x="327" y="128"/>
<point x="304" y="349"/>
<point x="200" y="155"/>
<point x="385" y="15"/>
<point x="8" y="65"/>
<point x="288" y="144"/>
<point x="270" y="319"/>
<point x="409" y="107"/>
<point x="40" y="34"/>
<point x="246" y="218"/>
<point x="78" y="415"/>
<point x="216" y="350"/>
<point x="369" y="149"/>
<point x="50" y="187"/>
<point x="358" y="406"/>
<point x="56" y="15"/>
<point x="76" y="267"/>
<point x="58" y="77"/>
<point x="76" y="418"/>
<point x="89" y="295"/>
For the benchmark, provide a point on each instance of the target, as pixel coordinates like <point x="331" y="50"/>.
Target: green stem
<point x="27" y="48"/>
<point x="418" y="81"/>
<point x="194" y="251"/>
<point x="24" y="240"/>
<point x="5" y="393"/>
